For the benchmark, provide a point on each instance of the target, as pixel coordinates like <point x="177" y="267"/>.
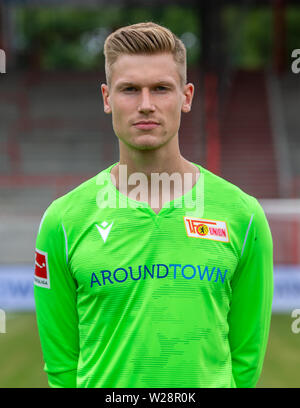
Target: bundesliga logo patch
<point x="206" y="229"/>
<point x="41" y="271"/>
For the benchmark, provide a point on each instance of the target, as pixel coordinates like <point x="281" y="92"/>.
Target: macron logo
<point x="104" y="229"/>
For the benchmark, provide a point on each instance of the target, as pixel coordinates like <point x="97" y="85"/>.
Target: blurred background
<point x="244" y="126"/>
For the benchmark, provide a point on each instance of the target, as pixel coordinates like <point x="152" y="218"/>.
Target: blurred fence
<point x="284" y="220"/>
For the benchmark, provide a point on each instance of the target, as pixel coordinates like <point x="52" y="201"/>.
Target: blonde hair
<point x="144" y="38"/>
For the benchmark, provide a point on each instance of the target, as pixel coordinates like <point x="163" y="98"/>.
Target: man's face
<point x="146" y="99"/>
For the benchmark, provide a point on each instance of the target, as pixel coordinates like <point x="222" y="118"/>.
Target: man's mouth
<point x="146" y="125"/>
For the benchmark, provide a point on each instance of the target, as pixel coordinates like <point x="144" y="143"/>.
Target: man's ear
<point x="105" y="95"/>
<point x="188" y="97"/>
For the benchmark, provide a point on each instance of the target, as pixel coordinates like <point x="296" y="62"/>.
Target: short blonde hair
<point x="144" y="38"/>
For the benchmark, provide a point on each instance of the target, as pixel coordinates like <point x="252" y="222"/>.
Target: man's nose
<point x="146" y="103"/>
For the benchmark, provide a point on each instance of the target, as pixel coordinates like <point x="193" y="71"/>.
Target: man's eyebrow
<point x="154" y="84"/>
<point x="164" y="82"/>
<point x="125" y="83"/>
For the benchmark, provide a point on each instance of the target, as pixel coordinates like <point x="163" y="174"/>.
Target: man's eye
<point x="161" y="88"/>
<point x="130" y="89"/>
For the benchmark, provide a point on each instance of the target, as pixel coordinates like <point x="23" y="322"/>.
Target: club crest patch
<point x="206" y="229"/>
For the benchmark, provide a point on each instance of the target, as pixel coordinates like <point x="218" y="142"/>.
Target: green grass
<point x="282" y="360"/>
<point x="22" y="362"/>
<point x="20" y="353"/>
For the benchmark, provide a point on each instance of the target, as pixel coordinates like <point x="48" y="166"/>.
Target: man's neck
<point x="175" y="167"/>
<point x="166" y="159"/>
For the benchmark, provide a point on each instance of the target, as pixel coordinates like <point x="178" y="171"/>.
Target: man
<point x="138" y="288"/>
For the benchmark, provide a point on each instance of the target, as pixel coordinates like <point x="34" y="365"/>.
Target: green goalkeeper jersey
<point x="126" y="297"/>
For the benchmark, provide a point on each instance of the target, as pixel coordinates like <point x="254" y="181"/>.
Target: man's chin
<point x="147" y="147"/>
<point x="146" y="143"/>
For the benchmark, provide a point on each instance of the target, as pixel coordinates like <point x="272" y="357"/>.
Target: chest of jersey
<point x="120" y="251"/>
<point x="149" y="290"/>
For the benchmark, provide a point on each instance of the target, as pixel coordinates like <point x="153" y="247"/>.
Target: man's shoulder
<point x="229" y="195"/>
<point x="77" y="200"/>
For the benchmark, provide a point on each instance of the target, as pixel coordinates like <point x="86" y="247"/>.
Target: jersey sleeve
<point x="55" y="300"/>
<point x="251" y="303"/>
